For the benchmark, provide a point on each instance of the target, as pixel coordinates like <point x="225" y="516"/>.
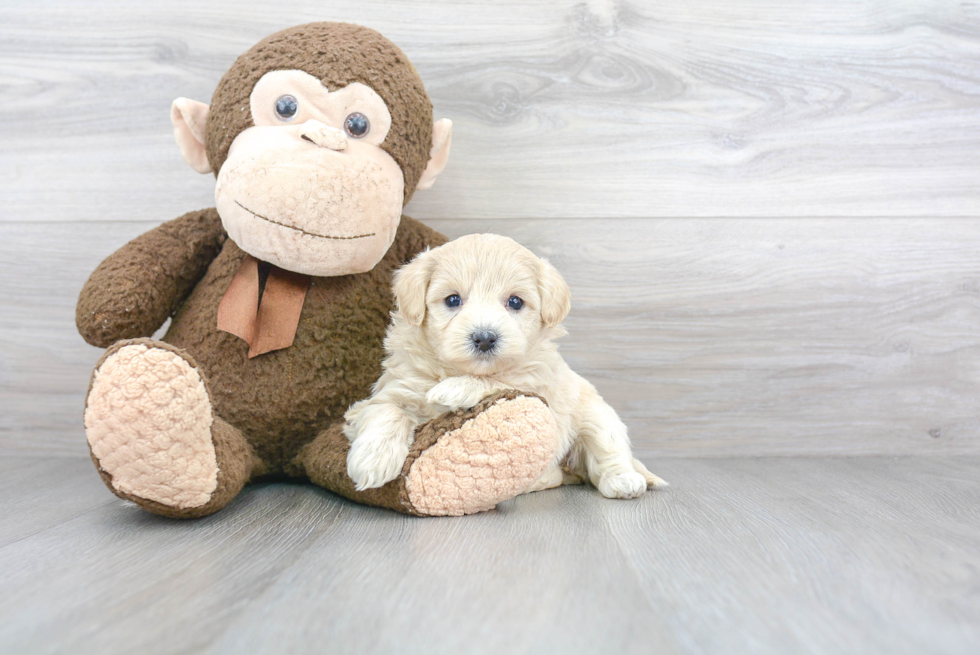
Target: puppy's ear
<point x="556" y="299"/>
<point x="410" y="286"/>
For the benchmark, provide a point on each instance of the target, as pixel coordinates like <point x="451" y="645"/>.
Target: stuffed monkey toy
<point x="279" y="297"/>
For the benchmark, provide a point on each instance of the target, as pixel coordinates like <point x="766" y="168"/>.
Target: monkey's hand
<point x="138" y="287"/>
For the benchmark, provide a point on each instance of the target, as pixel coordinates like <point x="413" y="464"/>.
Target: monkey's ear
<point x="410" y="286"/>
<point x="442" y="138"/>
<point x="556" y="299"/>
<point x="190" y="118"/>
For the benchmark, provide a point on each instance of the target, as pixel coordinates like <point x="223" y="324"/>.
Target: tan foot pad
<point x="490" y="458"/>
<point x="148" y="422"/>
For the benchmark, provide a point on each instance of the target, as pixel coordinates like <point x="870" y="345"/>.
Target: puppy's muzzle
<point x="484" y="340"/>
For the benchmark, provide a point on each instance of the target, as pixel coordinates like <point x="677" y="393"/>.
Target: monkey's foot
<point x="460" y="463"/>
<point x="469" y="461"/>
<point x="152" y="434"/>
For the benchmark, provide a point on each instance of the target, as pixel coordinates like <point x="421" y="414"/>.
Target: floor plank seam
<point x="64" y="520"/>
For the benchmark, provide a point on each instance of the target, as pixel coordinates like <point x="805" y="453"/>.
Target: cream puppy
<point x="475" y="316"/>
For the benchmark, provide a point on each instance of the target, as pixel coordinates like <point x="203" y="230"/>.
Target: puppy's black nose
<point x="485" y="340"/>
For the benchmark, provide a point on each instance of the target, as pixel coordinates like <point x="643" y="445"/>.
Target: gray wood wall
<point x="767" y="211"/>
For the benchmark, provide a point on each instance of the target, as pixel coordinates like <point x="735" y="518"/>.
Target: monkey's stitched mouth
<point x="301" y="230"/>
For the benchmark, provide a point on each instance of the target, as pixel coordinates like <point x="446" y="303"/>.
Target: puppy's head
<point x="483" y="301"/>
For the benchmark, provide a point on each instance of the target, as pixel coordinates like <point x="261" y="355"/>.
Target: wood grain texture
<point x="802" y="555"/>
<point x="710" y="337"/>
<point x="562" y="109"/>
<point x="785" y="555"/>
<point x="33" y="500"/>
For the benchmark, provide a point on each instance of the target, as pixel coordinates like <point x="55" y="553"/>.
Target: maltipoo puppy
<point x="478" y="315"/>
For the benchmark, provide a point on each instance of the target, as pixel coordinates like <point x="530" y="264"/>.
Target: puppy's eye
<point x="286" y="108"/>
<point x="453" y="301"/>
<point x="515" y="303"/>
<point x="357" y="125"/>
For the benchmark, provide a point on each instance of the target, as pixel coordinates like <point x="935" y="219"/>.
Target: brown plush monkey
<point x="280" y="296"/>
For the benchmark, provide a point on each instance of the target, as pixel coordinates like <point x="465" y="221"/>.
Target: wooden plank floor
<point x="760" y="555"/>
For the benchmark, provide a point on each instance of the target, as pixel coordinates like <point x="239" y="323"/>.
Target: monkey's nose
<point x="484" y="340"/>
<point x="323" y="135"/>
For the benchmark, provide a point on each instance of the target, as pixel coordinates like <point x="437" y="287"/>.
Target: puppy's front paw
<point x="454" y="393"/>
<point x="622" y="485"/>
<point x="374" y="460"/>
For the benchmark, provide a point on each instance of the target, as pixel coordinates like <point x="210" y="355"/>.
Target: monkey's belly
<point x="281" y="400"/>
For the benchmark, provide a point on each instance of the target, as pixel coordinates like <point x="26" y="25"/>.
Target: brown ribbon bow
<point x="271" y="325"/>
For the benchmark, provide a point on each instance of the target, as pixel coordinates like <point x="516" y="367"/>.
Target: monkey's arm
<point x="414" y="237"/>
<point x="143" y="283"/>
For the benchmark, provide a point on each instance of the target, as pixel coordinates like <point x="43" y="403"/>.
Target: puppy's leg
<point x="608" y="461"/>
<point x="653" y="481"/>
<point x="380" y="434"/>
<point x="461" y="392"/>
<point x="552" y="478"/>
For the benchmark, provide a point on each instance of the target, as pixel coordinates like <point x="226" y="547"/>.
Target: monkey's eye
<point x="453" y="300"/>
<point x="357" y="125"/>
<point x="286" y="108"/>
<point x="515" y="303"/>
